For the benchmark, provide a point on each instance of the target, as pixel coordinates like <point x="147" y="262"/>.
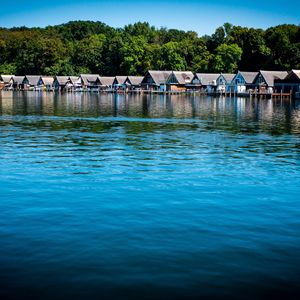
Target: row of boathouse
<point x="242" y="83"/>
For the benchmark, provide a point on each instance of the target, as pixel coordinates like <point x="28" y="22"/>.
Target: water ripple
<point x="179" y="197"/>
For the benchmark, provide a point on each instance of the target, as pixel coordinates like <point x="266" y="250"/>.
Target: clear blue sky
<point x="200" y="16"/>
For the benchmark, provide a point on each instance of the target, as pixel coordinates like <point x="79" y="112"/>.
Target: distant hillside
<point x="93" y="47"/>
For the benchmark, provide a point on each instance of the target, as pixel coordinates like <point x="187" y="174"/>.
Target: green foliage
<point x="62" y="67"/>
<point x="88" y="52"/>
<point x="39" y="54"/>
<point x="284" y="42"/>
<point x="8" y="69"/>
<point x="94" y="47"/>
<point x="134" y="56"/>
<point x="227" y="58"/>
<point x="169" y="57"/>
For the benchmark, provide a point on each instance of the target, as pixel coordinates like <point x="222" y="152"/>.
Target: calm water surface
<point x="148" y="197"/>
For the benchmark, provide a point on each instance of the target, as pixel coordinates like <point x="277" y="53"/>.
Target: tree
<point x="93" y="47"/>
<point x="112" y="57"/>
<point x="8" y="69"/>
<point x="134" y="56"/>
<point x="142" y="29"/>
<point x="256" y="54"/>
<point x="88" y="53"/>
<point x="38" y="54"/>
<point x="168" y="57"/>
<point x="283" y="41"/>
<point x="62" y="68"/>
<point x="227" y="58"/>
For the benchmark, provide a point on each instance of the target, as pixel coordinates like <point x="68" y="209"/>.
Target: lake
<point x="148" y="197"/>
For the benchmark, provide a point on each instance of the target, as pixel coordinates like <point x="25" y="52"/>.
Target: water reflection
<point x="180" y="197"/>
<point x="235" y="114"/>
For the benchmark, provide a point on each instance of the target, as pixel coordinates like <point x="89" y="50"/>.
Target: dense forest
<point x="93" y="47"/>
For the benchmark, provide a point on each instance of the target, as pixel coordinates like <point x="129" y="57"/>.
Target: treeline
<point x="93" y="47"/>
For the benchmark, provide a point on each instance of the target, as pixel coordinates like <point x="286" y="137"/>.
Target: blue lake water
<point x="148" y="197"/>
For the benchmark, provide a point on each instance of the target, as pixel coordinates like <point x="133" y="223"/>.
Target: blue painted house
<point x="243" y="82"/>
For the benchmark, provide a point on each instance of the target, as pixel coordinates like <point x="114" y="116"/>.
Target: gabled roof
<point x="182" y="77"/>
<point x="159" y="77"/>
<point x="228" y="77"/>
<point x="89" y="78"/>
<point x="47" y="80"/>
<point x="295" y="73"/>
<point x="134" y="80"/>
<point x="18" y="79"/>
<point x="32" y="79"/>
<point x="248" y="76"/>
<point x="62" y="80"/>
<point x="74" y="79"/>
<point x="207" y="78"/>
<point x="6" y="78"/>
<point x="106" y="81"/>
<point x="270" y="76"/>
<point x="120" y="79"/>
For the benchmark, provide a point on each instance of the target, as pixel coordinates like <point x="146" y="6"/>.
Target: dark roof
<point x="207" y="78"/>
<point x="182" y="77"/>
<point x="270" y="76"/>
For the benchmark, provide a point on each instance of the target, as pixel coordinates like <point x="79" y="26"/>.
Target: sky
<point x="200" y="16"/>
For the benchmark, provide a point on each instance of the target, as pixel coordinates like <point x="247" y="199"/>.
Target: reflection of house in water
<point x="7" y="103"/>
<point x="240" y="106"/>
<point x="295" y="118"/>
<point x="182" y="106"/>
<point x="137" y="105"/>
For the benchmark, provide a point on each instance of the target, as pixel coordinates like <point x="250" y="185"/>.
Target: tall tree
<point x="227" y="58"/>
